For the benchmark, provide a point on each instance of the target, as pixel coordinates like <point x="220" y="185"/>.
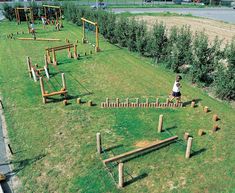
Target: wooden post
<point x="98" y="143"/>
<point x="48" y="56"/>
<point x="160" y="123"/>
<point x="215" y="128"/>
<point x="46" y="72"/>
<point x="107" y="102"/>
<point x="61" y="23"/>
<point x="97" y="48"/>
<point x="75" y="55"/>
<point x="186" y="136"/>
<point x="201" y="132"/>
<point x="42" y="90"/>
<point x="79" y="101"/>
<point x="188" y="149"/>
<point x="45" y="61"/>
<point x="215" y="117"/>
<point x="29" y="66"/>
<point x="54" y="57"/>
<point x="90" y="103"/>
<point x="167" y="102"/>
<point x="69" y="53"/>
<point x="34" y="75"/>
<point x="63" y="81"/>
<point x="120" y="175"/>
<point x="193" y="104"/>
<point x="206" y="109"/>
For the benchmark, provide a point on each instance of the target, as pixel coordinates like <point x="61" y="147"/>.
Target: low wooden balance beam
<point x="39" y="39"/>
<point x="141" y="150"/>
<point x="63" y="90"/>
<point x="58" y="48"/>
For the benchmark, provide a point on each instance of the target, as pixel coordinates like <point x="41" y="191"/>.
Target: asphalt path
<point x="221" y="14"/>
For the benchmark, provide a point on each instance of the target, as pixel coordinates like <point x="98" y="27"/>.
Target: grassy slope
<point x="55" y="145"/>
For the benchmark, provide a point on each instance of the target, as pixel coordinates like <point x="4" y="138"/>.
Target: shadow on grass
<point x="169" y="128"/>
<point x="113" y="147"/>
<point x="134" y="179"/>
<point x="187" y="103"/>
<point x="195" y="153"/>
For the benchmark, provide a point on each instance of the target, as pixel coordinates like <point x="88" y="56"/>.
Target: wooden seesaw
<point x="45" y="94"/>
<point x="35" y="72"/>
<point x="58" y="48"/>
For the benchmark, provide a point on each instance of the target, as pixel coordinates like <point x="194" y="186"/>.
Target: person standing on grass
<point x="176" y="89"/>
<point x="32" y="30"/>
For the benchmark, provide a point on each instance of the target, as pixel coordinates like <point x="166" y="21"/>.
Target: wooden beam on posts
<point x="140" y="150"/>
<point x="160" y="123"/>
<point x="98" y="143"/>
<point x="120" y="175"/>
<point x="188" y="149"/>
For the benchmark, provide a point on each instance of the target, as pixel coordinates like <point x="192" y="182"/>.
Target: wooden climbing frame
<point x="137" y="104"/>
<point x="63" y="90"/>
<point x="53" y="50"/>
<point x="35" y="72"/>
<point x="17" y="13"/>
<point x="57" y="8"/>
<point x="84" y="39"/>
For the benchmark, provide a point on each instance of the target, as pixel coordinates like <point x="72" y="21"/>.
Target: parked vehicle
<point x="101" y="5"/>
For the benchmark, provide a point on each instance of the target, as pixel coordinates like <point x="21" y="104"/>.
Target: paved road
<point x="221" y="14"/>
<point x="4" y="167"/>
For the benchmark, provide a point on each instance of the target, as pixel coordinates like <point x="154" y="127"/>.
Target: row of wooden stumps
<point x="45" y="94"/>
<point x="138" y="151"/>
<point x="146" y="104"/>
<point x="215" y="118"/>
<point x="53" y="50"/>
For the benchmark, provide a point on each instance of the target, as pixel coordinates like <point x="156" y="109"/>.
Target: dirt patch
<point x="212" y="28"/>
<point x="144" y="143"/>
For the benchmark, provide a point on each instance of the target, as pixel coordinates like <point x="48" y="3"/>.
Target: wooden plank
<point x="23" y="8"/>
<point x="52" y="6"/>
<point x="88" y="21"/>
<point x="140" y="150"/>
<point x="39" y="39"/>
<point x="55" y="93"/>
<point x="60" y="47"/>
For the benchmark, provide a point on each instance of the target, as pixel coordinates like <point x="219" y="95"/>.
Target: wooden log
<point x="39" y="39"/>
<point x="206" y="109"/>
<point x="215" y="117"/>
<point x="120" y="175"/>
<point x="98" y="143"/>
<point x="140" y="150"/>
<point x="160" y="123"/>
<point x="188" y="149"/>
<point x="186" y="136"/>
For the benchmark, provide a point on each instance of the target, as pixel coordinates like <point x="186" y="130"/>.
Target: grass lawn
<point x="55" y="145"/>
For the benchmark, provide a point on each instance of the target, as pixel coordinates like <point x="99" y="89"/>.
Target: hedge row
<point x="207" y="64"/>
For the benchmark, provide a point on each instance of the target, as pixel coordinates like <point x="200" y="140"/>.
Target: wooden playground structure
<point x="17" y="13"/>
<point x="35" y="72"/>
<point x="53" y="51"/>
<point x="58" y="18"/>
<point x="46" y="95"/>
<point x="137" y="104"/>
<point x="84" y="39"/>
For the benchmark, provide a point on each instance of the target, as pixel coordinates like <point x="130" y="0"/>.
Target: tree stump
<point x="79" y="101"/>
<point x="201" y="132"/>
<point x="206" y="109"/>
<point x="90" y="103"/>
<point x="215" y="117"/>
<point x="65" y="102"/>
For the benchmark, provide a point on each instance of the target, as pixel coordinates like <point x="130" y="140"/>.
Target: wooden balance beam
<point x="39" y="39"/>
<point x="140" y="150"/>
<point x="58" y="48"/>
<point x="63" y="91"/>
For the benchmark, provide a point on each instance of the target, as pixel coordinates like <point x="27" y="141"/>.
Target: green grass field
<point x="55" y="145"/>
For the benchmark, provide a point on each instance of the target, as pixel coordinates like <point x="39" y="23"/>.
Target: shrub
<point x="121" y="31"/>
<point x="8" y="12"/>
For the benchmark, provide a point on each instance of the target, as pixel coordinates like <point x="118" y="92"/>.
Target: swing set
<point x="84" y="38"/>
<point x="27" y="10"/>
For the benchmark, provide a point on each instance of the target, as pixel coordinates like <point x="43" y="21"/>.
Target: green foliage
<point x="131" y="40"/>
<point x="141" y="38"/>
<point x="8" y="11"/>
<point x="121" y="31"/>
<point x="225" y="75"/>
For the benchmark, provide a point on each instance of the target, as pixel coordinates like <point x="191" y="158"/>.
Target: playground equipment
<point x="46" y="95"/>
<point x="58" y="15"/>
<point x="35" y="72"/>
<point x="84" y="38"/>
<point x="17" y="13"/>
<point x="137" y="104"/>
<point x="58" y="48"/>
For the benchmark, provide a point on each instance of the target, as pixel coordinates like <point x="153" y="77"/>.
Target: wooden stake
<point x="79" y="101"/>
<point x="206" y="109"/>
<point x="201" y="132"/>
<point x="120" y="175"/>
<point x="98" y="143"/>
<point x="63" y="81"/>
<point x="193" y="104"/>
<point x="34" y="75"/>
<point x="46" y="72"/>
<point x="75" y="55"/>
<point x="90" y="103"/>
<point x="215" y="117"/>
<point x="160" y="123"/>
<point x="54" y="57"/>
<point x="188" y="149"/>
<point x="186" y="136"/>
<point x="215" y="128"/>
<point x="65" y="102"/>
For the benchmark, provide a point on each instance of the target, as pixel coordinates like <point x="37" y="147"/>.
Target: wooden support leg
<point x="160" y="123"/>
<point x="98" y="142"/>
<point x="54" y="57"/>
<point x="120" y="175"/>
<point x="29" y="67"/>
<point x="42" y="90"/>
<point x="75" y="55"/>
<point x="63" y="81"/>
<point x="48" y="57"/>
<point x="69" y="53"/>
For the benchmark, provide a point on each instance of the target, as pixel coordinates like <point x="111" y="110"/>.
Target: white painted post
<point x="160" y="123"/>
<point x="120" y="175"/>
<point x="98" y="143"/>
<point x="188" y="149"/>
